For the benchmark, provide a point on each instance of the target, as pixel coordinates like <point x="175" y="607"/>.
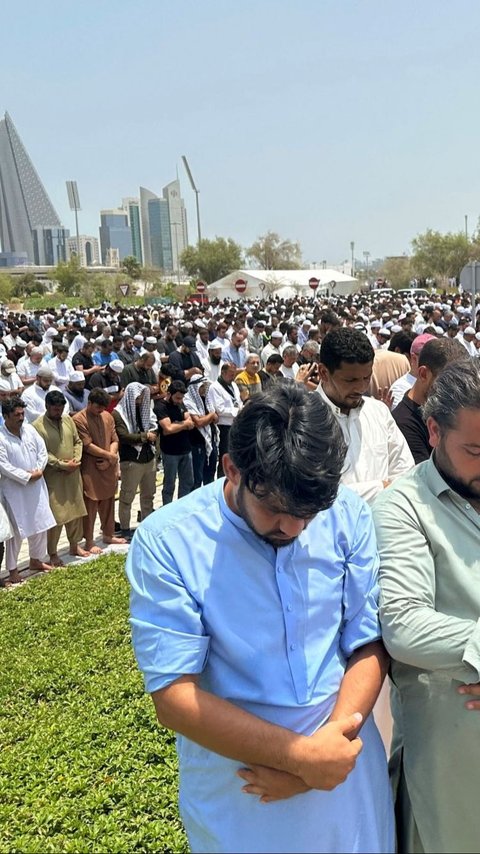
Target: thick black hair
<point x="177" y="386"/>
<point x="55" y="398"/>
<point x="10" y="405"/>
<point x="401" y="342"/>
<point x="99" y="396"/>
<point x="345" y="345"/>
<point x="286" y="443"/>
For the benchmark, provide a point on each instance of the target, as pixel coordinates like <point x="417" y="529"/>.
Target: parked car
<point x="413" y="293"/>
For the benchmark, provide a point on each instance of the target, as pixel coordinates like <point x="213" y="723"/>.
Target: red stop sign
<point x="241" y="286"/>
<point x="201" y="287"/>
<point x="314" y="283"/>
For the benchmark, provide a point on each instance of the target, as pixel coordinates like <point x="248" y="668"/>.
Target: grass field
<point x="84" y="766"/>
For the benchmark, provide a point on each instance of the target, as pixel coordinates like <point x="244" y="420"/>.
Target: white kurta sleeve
<point x="42" y="453"/>
<point x="9" y="471"/>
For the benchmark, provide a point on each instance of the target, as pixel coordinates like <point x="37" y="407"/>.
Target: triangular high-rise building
<point x="24" y="203"/>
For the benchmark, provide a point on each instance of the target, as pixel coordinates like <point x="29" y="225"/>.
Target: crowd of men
<point x="291" y="401"/>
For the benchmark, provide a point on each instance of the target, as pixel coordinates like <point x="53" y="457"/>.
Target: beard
<point x="215" y="360"/>
<point x="464" y="488"/>
<point x="269" y="536"/>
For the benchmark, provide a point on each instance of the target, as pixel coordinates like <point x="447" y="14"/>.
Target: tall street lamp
<point x="74" y="201"/>
<point x="352" y="252"/>
<point x="366" y="255"/>
<point x="194" y="188"/>
<point x="175" y="226"/>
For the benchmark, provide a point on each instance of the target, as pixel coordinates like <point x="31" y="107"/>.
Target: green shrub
<point x="84" y="765"/>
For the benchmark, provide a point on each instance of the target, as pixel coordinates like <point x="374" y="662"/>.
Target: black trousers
<point x="224" y="430"/>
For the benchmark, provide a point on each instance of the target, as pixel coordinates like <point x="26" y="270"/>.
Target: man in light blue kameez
<point x="254" y="615"/>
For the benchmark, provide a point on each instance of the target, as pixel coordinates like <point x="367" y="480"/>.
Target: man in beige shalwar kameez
<point x="100" y="465"/>
<point x="62" y="476"/>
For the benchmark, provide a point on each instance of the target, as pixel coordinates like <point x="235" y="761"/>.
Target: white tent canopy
<point x="283" y="283"/>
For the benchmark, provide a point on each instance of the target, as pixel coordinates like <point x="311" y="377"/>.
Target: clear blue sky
<point x="325" y="120"/>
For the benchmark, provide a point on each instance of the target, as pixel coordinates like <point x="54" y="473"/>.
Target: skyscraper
<point x="145" y="196"/>
<point x="24" y="204"/>
<point x="132" y="207"/>
<point x="115" y="233"/>
<point x="178" y="221"/>
<point x="164" y="227"/>
<point x="160" y="234"/>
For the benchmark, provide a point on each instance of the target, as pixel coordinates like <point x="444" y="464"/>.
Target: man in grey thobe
<point x="428" y="530"/>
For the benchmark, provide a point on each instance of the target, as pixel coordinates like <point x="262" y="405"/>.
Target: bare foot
<point x="94" y="550"/>
<point x="40" y="566"/>
<point x="115" y="541"/>
<point x="79" y="552"/>
<point x="55" y="561"/>
<point x="13" y="578"/>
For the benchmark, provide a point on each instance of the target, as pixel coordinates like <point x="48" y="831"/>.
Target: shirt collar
<point x="434" y="479"/>
<point x="232" y="517"/>
<point x="352" y="413"/>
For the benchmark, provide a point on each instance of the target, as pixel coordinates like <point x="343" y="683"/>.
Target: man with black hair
<point x="434" y="356"/>
<point x="223" y="397"/>
<point x="174" y="422"/>
<point x="377" y="452"/>
<point x="186" y="361"/>
<point x="82" y="361"/>
<point x="23" y="457"/>
<point x="62" y="476"/>
<point x="254" y="621"/>
<point x="271" y="372"/>
<point x="99" y="468"/>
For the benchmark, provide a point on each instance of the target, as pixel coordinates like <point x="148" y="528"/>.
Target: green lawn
<point x="84" y="766"/>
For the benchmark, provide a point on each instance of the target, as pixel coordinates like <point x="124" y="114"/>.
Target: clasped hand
<point x="326" y="760"/>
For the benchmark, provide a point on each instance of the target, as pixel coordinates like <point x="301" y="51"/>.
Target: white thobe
<point x="26" y="501"/>
<point x="377" y="451"/>
<point x="202" y="349"/>
<point x="400" y="387"/>
<point x="62" y="371"/>
<point x="34" y="397"/>
<point x="26" y="368"/>
<point x="226" y="406"/>
<point x="469" y="345"/>
<point x="268" y="351"/>
<point x="291" y="372"/>
<point x="212" y="372"/>
<point x="13" y="380"/>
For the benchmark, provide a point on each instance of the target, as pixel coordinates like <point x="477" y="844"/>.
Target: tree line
<point x="434" y="256"/>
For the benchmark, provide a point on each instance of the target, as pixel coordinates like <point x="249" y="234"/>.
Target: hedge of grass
<point x="84" y="765"/>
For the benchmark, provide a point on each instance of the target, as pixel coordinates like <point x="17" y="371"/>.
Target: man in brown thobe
<point x="96" y="429"/>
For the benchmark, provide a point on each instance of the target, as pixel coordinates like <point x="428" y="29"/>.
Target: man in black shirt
<point x="141" y="371"/>
<point x="186" y="361"/>
<point x="168" y="345"/>
<point x="109" y="378"/>
<point x="435" y="355"/>
<point x="271" y="372"/>
<point x="127" y="354"/>
<point x="82" y="361"/>
<point x="175" y="423"/>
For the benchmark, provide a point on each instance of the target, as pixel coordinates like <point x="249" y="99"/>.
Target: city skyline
<point x="29" y="224"/>
<point x="324" y="122"/>
<point x="31" y="231"/>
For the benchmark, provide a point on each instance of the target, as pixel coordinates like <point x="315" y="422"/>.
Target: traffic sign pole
<point x="201" y="288"/>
